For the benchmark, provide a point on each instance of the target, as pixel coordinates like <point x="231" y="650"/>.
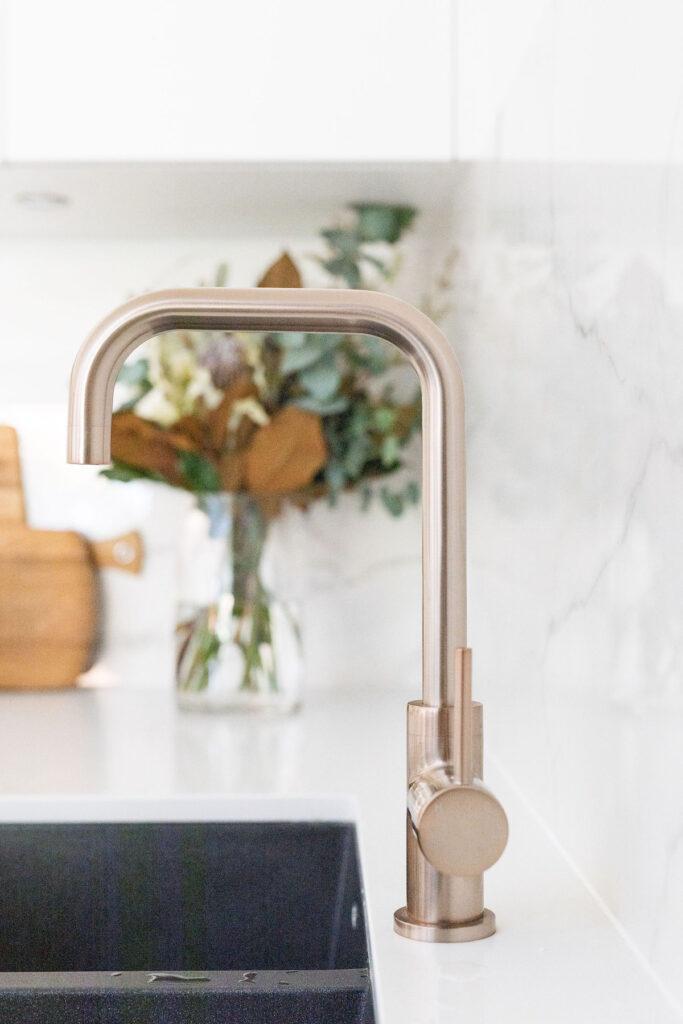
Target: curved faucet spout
<point x="359" y="312"/>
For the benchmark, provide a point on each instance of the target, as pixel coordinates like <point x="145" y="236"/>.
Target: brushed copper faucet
<point x="456" y="827"/>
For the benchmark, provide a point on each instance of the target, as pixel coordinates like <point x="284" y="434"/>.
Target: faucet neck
<point x="358" y="312"/>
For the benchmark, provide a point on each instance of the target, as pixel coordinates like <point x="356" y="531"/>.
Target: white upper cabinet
<point x="359" y="80"/>
<point x="205" y="80"/>
<point x="569" y="80"/>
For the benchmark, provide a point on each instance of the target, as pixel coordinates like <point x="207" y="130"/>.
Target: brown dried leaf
<point x="286" y="454"/>
<point x="282" y="274"/>
<point x="218" y="418"/>
<point x="407" y="419"/>
<point x="231" y="471"/>
<point x="144" y="445"/>
<point x="272" y="504"/>
<point x="188" y="434"/>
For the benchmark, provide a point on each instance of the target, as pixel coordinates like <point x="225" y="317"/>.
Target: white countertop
<point x="558" y="955"/>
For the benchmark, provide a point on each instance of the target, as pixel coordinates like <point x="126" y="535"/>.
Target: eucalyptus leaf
<point x="390" y="451"/>
<point x="373" y="355"/>
<point x="384" y="418"/>
<point x="124" y="473"/>
<point x="141" y="391"/>
<point x="330" y="407"/>
<point x="296" y="359"/>
<point x="330" y="342"/>
<point x="356" y="456"/>
<point x="201" y="475"/>
<point x="345" y="267"/>
<point x="378" y="222"/>
<point x="412" y="493"/>
<point x="290" y="339"/>
<point x="322" y="380"/>
<point x="335" y="477"/>
<point x="134" y="373"/>
<point x="345" y="242"/>
<point x="375" y="262"/>
<point x="392" y="502"/>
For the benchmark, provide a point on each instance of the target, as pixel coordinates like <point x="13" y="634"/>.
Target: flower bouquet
<point x="250" y="422"/>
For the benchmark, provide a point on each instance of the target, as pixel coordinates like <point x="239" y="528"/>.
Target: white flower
<point x="252" y="347"/>
<point x="178" y="380"/>
<point x="251" y="408"/>
<point x="157" y="407"/>
<point x="200" y="386"/>
<point x="153" y="355"/>
<point x="181" y="363"/>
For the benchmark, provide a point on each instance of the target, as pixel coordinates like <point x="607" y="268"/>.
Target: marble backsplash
<point x="568" y="320"/>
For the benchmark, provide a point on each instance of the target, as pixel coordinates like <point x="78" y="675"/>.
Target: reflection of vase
<point x="238" y="643"/>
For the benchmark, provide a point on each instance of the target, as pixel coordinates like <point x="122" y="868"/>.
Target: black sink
<point x="112" y="923"/>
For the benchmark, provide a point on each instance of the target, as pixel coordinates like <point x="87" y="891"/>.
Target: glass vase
<point x="238" y="642"/>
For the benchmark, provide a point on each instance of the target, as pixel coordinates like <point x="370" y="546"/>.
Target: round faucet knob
<point x="461" y="829"/>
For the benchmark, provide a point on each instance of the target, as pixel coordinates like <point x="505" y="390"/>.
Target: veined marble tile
<point x="569" y="324"/>
<point x="572" y="347"/>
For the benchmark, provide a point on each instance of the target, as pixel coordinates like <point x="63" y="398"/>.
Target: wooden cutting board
<point x="50" y="600"/>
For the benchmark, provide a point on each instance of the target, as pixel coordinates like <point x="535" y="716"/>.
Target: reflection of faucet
<point x="456" y="828"/>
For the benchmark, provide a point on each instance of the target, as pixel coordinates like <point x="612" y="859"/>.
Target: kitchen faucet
<point x="456" y="827"/>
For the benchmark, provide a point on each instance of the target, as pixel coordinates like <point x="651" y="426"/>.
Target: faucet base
<point x="468" y="931"/>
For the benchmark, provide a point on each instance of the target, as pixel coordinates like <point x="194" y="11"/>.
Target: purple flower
<point x="223" y="358"/>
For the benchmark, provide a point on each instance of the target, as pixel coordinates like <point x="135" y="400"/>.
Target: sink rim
<point x="234" y="981"/>
<point x="111" y="808"/>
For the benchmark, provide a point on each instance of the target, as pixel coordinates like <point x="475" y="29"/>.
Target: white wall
<point x="360" y="573"/>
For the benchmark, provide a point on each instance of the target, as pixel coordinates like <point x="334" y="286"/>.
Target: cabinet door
<point x="219" y="80"/>
<point x="569" y="80"/>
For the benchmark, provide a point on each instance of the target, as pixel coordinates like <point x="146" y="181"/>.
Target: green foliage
<point x="296" y="359"/>
<point x="135" y="373"/>
<point x="321" y="382"/>
<point x="200" y="474"/>
<point x="135" y="376"/>
<point x="390" y="451"/>
<point x="363" y="442"/>
<point x="384" y="418"/>
<point x="395" y="502"/>
<point x="379" y="222"/>
<point x="124" y="473"/>
<point x="372" y="355"/>
<point x="373" y="222"/>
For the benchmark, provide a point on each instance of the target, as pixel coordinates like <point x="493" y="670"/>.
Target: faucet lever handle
<point x="459" y="825"/>
<point x="461" y="830"/>
<point x="461" y="741"/>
